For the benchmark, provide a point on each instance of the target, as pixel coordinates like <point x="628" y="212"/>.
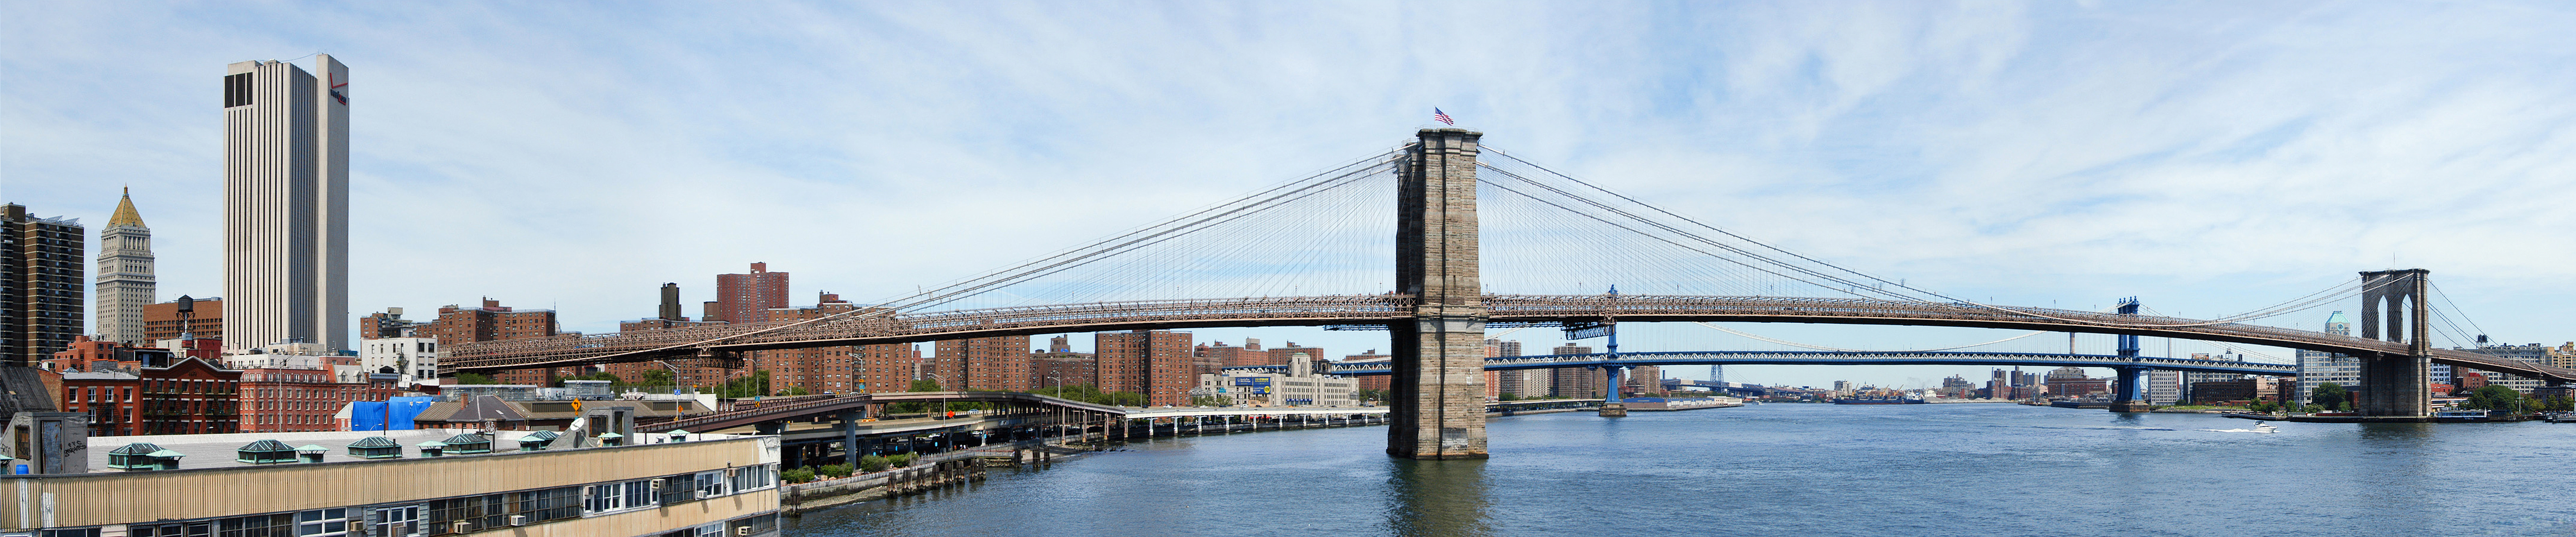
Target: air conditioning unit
<point x="657" y="483"/>
<point x="460" y="527"/>
<point x="702" y="494"/>
<point x="731" y="472"/>
<point x="518" y="520"/>
<point x="742" y="531"/>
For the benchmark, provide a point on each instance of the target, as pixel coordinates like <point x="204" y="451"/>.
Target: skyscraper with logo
<point x="286" y="203"/>
<point x="125" y="283"/>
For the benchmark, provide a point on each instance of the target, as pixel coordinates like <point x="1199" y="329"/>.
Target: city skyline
<point x="2253" y="159"/>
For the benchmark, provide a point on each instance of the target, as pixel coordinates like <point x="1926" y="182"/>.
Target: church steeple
<point x="125" y="214"/>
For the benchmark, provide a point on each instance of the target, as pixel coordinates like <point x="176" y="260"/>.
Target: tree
<point x="757" y="383"/>
<point x="2330" y="395"/>
<point x="474" y="378"/>
<point x="659" y="377"/>
<point x="2556" y="404"/>
<point x="924" y="385"/>
<point x="2493" y="397"/>
<point x="1210" y="400"/>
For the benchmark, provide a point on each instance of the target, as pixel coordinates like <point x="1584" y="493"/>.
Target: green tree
<point x="1211" y="400"/>
<point x="474" y="378"/>
<point x="658" y="377"/>
<point x="2330" y="395"/>
<point x="756" y="383"/>
<point x="2493" y="397"/>
<point x="2557" y="404"/>
<point x="795" y="390"/>
<point x="924" y="385"/>
<point x="1507" y="396"/>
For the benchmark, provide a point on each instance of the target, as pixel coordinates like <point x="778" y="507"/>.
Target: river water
<point x="1791" y="470"/>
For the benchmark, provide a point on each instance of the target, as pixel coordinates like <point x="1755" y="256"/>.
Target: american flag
<point x="1443" y="117"/>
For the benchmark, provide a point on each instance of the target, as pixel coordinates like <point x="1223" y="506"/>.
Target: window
<point x="478" y="512"/>
<point x="620" y="496"/>
<point x="332" y="522"/>
<point x="711" y="484"/>
<point x="401" y="521"/>
<point x="202" y="528"/>
<point x="752" y="477"/>
<point x="277" y="525"/>
<point x="551" y="504"/>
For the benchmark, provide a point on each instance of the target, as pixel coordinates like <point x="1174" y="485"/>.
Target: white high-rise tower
<point x="125" y="283"/>
<point x="286" y="204"/>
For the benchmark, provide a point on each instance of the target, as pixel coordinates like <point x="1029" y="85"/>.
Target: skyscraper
<point x="2319" y="367"/>
<point x="286" y="204"/>
<point x="125" y="283"/>
<point x="41" y="299"/>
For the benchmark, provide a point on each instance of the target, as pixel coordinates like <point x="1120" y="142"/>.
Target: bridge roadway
<point x="1030" y="409"/>
<point x="1381" y="367"/>
<point x="879" y="326"/>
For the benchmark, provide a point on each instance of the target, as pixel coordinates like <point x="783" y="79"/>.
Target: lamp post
<point x="1059" y="384"/>
<point x="675" y="376"/>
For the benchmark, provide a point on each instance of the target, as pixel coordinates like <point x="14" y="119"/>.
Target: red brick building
<point x="988" y="363"/>
<point x="1047" y="370"/>
<point x="200" y="317"/>
<point x="276" y="400"/>
<point x="112" y="399"/>
<point x="1155" y="363"/>
<point x="746" y="298"/>
<point x="86" y="354"/>
<point x="388" y="324"/>
<point x="815" y="369"/>
<point x="494" y="322"/>
<point x="190" y="397"/>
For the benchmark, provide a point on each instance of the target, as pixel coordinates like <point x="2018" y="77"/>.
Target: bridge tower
<point x="1437" y="405"/>
<point x="2395" y="385"/>
<point x="2129" y="382"/>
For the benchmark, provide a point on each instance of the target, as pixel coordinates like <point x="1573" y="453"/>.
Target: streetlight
<point x="675" y="376"/>
<point x="1059" y="384"/>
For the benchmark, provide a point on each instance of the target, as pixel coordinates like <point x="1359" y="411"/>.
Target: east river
<point x="1788" y="470"/>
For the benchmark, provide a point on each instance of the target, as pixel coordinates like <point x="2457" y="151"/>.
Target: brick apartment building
<point x="1156" y="363"/>
<point x="747" y="298"/>
<point x="987" y="363"/>
<point x="1050" y="369"/>
<point x="494" y="322"/>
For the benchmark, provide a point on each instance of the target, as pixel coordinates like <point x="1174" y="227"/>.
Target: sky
<point x="2208" y="157"/>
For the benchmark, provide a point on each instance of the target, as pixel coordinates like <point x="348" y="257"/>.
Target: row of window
<point x="485" y="512"/>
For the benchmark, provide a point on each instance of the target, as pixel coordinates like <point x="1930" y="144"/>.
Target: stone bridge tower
<point x="1437" y="399"/>
<point x="2395" y="385"/>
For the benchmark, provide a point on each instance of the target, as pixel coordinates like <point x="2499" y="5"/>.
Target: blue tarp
<point x="372" y="416"/>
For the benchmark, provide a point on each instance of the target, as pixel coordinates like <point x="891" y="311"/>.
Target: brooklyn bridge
<point x="1439" y="302"/>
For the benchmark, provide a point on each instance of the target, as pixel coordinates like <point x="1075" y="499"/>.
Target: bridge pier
<point x="2393" y="385"/>
<point x="1437" y="398"/>
<point x="2129" y="389"/>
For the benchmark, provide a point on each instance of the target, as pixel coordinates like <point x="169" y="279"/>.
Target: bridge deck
<point x="873" y="327"/>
